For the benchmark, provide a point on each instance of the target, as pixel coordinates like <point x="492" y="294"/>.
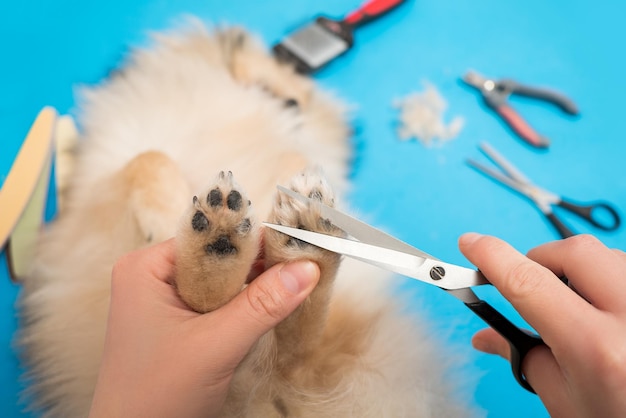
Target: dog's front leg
<point x="299" y="334"/>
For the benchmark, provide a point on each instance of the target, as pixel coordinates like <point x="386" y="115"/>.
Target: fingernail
<point x="298" y="276"/>
<point x="469" y="238"/>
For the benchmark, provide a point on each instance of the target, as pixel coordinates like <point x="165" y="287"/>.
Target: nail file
<point x="320" y="42"/>
<point x="23" y="192"/>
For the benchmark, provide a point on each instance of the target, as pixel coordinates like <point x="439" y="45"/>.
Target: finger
<point x="258" y="267"/>
<point x="146" y="276"/>
<point x="593" y="269"/>
<point x="490" y="342"/>
<point x="620" y="254"/>
<point x="268" y="300"/>
<point x="537" y="294"/>
<point x="545" y="376"/>
<point x="540" y="367"/>
<point x="154" y="262"/>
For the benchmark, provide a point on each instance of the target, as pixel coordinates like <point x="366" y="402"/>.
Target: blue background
<point x="426" y="196"/>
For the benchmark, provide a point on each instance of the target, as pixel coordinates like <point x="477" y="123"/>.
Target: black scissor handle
<point x="520" y="341"/>
<point x="591" y="214"/>
<point x="563" y="230"/>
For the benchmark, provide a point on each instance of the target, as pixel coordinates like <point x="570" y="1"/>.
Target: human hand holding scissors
<point x="581" y="372"/>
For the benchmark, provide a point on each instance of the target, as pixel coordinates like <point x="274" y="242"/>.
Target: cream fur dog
<point x="179" y="119"/>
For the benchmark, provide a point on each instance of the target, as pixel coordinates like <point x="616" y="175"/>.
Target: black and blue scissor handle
<point x="599" y="214"/>
<point x="520" y="341"/>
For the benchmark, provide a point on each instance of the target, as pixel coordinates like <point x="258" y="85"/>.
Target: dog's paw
<point x="301" y="332"/>
<point x="217" y="243"/>
<point x="251" y="65"/>
<point x="291" y="212"/>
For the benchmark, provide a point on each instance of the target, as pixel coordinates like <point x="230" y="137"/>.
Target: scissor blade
<point x="428" y="270"/>
<point x="356" y="228"/>
<point x="509" y="168"/>
<point x="499" y="177"/>
<point x="542" y="198"/>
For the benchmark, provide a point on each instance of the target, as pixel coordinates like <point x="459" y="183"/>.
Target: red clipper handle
<point x="521" y="128"/>
<point x="370" y="11"/>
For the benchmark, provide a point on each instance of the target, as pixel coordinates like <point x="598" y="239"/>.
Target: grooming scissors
<point x="599" y="214"/>
<point x="372" y="246"/>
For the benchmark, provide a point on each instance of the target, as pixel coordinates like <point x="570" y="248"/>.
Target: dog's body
<point x="154" y="135"/>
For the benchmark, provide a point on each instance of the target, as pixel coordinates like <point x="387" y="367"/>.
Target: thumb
<point x="268" y="300"/>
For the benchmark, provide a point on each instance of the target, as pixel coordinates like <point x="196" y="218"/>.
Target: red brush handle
<point x="370" y="11"/>
<point x="521" y="128"/>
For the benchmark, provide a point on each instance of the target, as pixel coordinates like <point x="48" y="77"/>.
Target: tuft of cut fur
<point x="153" y="136"/>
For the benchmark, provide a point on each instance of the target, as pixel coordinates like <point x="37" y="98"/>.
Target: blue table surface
<point x="426" y="196"/>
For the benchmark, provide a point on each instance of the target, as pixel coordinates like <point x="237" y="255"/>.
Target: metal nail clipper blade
<point x="318" y="43"/>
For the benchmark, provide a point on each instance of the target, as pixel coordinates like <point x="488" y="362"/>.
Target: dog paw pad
<point x="199" y="222"/>
<point x="214" y="198"/>
<point x="234" y="201"/>
<point x="222" y="246"/>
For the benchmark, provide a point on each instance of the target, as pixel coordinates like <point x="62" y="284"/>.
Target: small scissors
<point x="599" y="214"/>
<point x="370" y="245"/>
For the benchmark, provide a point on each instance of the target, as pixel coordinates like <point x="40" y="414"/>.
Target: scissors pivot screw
<point x="437" y="273"/>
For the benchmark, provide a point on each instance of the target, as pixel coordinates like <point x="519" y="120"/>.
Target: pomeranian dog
<point x="202" y="126"/>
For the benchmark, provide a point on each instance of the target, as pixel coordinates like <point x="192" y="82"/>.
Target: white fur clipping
<point x="421" y="117"/>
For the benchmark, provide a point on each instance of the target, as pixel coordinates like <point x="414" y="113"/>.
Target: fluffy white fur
<point x="155" y="135"/>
